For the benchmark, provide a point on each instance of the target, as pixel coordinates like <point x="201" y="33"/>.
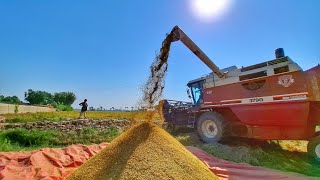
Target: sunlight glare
<point x="209" y="9"/>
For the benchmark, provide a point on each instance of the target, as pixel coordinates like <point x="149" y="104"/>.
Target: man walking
<point x="84" y="108"/>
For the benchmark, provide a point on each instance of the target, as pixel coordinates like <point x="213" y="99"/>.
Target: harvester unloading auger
<point x="272" y="100"/>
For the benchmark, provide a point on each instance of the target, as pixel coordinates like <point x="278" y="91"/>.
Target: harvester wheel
<point x="314" y="148"/>
<point x="210" y="127"/>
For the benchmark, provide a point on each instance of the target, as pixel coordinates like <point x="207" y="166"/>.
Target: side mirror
<point x="188" y="91"/>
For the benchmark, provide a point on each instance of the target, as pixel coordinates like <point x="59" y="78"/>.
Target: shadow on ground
<point x="270" y="154"/>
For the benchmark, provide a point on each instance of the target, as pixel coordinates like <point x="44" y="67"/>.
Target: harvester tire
<point x="211" y="127"/>
<point x="314" y="148"/>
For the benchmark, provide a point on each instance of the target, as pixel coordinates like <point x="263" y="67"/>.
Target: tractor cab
<point x="195" y="91"/>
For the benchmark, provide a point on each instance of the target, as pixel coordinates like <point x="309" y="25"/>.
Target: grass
<point x="288" y="156"/>
<point x="268" y="154"/>
<point x="62" y="116"/>
<point x="23" y="140"/>
<point x="20" y="139"/>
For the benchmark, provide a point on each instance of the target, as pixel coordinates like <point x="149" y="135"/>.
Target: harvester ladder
<point x="191" y="120"/>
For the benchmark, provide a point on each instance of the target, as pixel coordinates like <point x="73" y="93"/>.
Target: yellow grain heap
<point x="145" y="151"/>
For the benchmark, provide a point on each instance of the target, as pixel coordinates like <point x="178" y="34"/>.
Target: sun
<point x="209" y="9"/>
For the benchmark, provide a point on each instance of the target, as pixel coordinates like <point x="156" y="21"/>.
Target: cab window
<point x="196" y="90"/>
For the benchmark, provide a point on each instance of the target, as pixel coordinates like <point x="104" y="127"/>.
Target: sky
<point x="102" y="50"/>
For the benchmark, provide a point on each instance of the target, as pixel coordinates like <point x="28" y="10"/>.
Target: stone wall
<point x="69" y="125"/>
<point x="10" y="108"/>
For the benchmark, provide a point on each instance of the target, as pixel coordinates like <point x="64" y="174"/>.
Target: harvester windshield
<point x="196" y="91"/>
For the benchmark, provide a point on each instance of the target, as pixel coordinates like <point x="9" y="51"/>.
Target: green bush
<point x="14" y="120"/>
<point x="62" y="107"/>
<point x="16" y="108"/>
<point x="23" y="137"/>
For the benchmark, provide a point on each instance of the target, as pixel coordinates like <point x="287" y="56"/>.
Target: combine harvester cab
<point x="273" y="100"/>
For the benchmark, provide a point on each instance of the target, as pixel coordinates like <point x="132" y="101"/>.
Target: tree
<point x="10" y="99"/>
<point x="38" y="97"/>
<point x="66" y="98"/>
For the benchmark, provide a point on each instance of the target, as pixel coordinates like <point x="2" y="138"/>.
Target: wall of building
<point x="10" y="108"/>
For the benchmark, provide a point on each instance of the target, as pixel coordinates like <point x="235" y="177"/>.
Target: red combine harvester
<point x="273" y="100"/>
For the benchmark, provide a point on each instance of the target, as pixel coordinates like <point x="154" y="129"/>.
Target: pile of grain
<point x="145" y="151"/>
